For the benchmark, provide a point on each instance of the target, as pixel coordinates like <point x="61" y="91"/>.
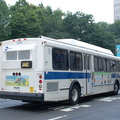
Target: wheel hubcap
<point x="116" y="88"/>
<point x="74" y="95"/>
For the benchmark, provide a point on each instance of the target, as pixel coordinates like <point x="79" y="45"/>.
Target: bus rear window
<point x="11" y="55"/>
<point x="23" y="54"/>
<point x="18" y="55"/>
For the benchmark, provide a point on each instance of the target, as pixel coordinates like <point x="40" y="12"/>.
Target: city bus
<point x="50" y="70"/>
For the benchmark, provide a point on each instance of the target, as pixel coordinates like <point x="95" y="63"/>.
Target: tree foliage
<point x="4" y="21"/>
<point x="27" y="20"/>
<point x="24" y="20"/>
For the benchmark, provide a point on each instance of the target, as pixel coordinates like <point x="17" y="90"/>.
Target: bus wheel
<point x="74" y="95"/>
<point x="116" y="88"/>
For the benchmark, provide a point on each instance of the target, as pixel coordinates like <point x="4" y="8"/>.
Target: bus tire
<point x="116" y="88"/>
<point x="74" y="95"/>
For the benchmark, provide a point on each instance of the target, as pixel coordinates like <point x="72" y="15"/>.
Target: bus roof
<point x="72" y="42"/>
<point x="86" y="46"/>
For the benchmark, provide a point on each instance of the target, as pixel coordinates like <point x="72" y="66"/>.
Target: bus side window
<point x="64" y="60"/>
<point x="118" y="66"/>
<point x="86" y="62"/>
<point x="76" y="61"/>
<point x="106" y="64"/>
<point x="113" y="66"/>
<point x="98" y="63"/>
<point x="60" y="59"/>
<point x="95" y="63"/>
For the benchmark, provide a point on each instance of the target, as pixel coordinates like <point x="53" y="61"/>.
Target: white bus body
<point x="45" y="69"/>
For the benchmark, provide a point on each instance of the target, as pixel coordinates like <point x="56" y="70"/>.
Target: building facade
<point x="116" y="10"/>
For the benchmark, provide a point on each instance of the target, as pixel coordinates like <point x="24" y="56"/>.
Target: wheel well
<point x="75" y="83"/>
<point x="117" y="81"/>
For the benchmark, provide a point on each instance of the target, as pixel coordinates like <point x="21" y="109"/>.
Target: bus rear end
<point x="20" y="79"/>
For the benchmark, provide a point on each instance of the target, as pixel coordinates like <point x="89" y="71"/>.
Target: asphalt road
<point x="100" y="107"/>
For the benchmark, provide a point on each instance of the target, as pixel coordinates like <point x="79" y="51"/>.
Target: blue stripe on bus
<point x="70" y="75"/>
<point x="66" y="75"/>
<point x="115" y="76"/>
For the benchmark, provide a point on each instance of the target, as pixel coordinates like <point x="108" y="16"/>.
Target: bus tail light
<point x="40" y="82"/>
<point x="40" y="86"/>
<point x="40" y="76"/>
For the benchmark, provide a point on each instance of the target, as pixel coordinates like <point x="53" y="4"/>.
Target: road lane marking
<point x="72" y="108"/>
<point x="56" y="118"/>
<point x="107" y="99"/>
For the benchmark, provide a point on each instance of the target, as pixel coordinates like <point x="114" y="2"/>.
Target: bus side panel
<point x="103" y="82"/>
<point x="61" y="79"/>
<point x="61" y="87"/>
<point x="102" y="89"/>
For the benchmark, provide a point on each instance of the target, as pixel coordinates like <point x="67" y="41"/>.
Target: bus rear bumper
<point x="22" y="96"/>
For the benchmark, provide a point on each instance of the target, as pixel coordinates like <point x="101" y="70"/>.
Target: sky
<point x="102" y="10"/>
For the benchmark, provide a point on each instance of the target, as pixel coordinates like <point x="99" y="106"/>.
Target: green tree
<point x="4" y="21"/>
<point x="52" y="22"/>
<point x="102" y="36"/>
<point x="115" y="29"/>
<point x="24" y="20"/>
<point x="77" y="25"/>
<point x="57" y="24"/>
<point x="28" y="20"/>
<point x="82" y="26"/>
